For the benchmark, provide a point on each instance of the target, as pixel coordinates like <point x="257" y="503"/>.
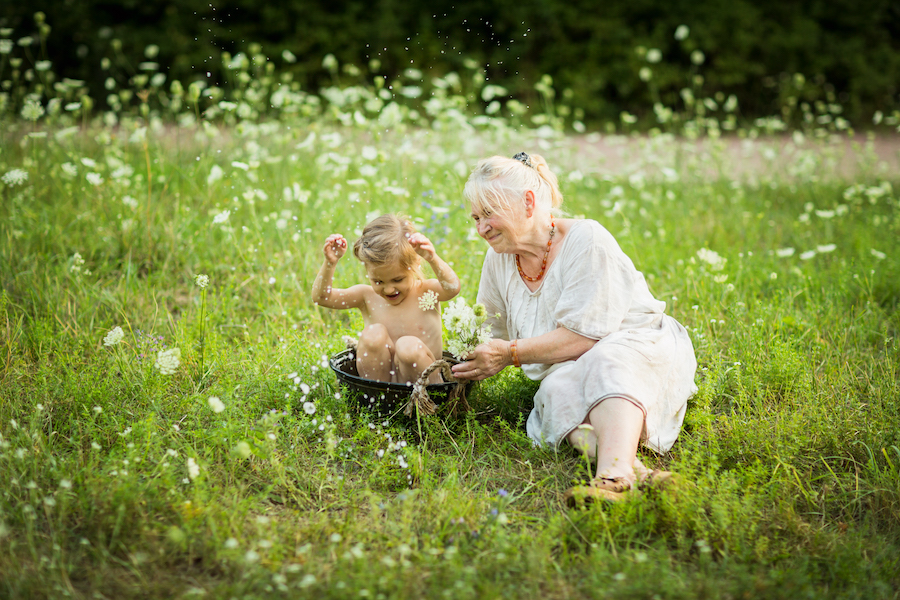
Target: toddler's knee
<point x="375" y="335"/>
<point x="409" y="349"/>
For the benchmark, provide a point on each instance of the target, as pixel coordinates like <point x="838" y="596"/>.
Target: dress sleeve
<point x="490" y="296"/>
<point x="598" y="285"/>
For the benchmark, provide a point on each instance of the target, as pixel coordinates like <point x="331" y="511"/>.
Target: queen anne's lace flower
<point x="202" y="281"/>
<point x="15" y="177"/>
<point x="712" y="258"/>
<point x="428" y="300"/>
<point x="465" y="328"/>
<point x="32" y="111"/>
<point x="221" y="217"/>
<point x="115" y="336"/>
<point x="167" y="361"/>
<point x="193" y="468"/>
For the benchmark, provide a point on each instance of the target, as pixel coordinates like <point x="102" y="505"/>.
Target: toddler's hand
<point x="423" y="246"/>
<point x="335" y="247"/>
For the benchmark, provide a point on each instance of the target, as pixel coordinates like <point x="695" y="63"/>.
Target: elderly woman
<point x="574" y="313"/>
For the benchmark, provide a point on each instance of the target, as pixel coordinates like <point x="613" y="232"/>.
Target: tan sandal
<point x="660" y="480"/>
<point x="600" y="489"/>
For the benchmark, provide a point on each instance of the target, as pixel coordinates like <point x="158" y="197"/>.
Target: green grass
<point x="791" y="447"/>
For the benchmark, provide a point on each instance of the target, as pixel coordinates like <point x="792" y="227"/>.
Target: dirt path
<point x="766" y="158"/>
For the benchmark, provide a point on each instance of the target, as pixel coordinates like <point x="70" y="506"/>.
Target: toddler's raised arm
<point x="446" y="276"/>
<point x="323" y="293"/>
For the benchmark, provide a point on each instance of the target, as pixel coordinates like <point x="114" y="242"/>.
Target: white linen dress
<point x="593" y="289"/>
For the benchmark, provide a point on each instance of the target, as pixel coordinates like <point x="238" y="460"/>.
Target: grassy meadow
<point x="240" y="469"/>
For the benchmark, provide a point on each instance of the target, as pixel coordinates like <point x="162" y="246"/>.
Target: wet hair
<point x="497" y="180"/>
<point x="385" y="241"/>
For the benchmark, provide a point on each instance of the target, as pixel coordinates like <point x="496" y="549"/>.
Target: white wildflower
<point x="428" y="300"/>
<point x="215" y="174"/>
<point x="369" y="153"/>
<point x="115" y="336"/>
<point x="784" y="252"/>
<point x="221" y="217"/>
<point x="825" y="214"/>
<point x="215" y="404"/>
<point x="202" y="281"/>
<point x="130" y="202"/>
<point x="69" y="169"/>
<point x="15" y="177"/>
<point x="193" y="468"/>
<point x="712" y="258"/>
<point x="808" y="255"/>
<point x="465" y="327"/>
<point x="32" y="111"/>
<point x="94" y="178"/>
<point x="826" y="248"/>
<point x="682" y="32"/>
<point x="309" y="408"/>
<point x="877" y="254"/>
<point x="77" y="263"/>
<point x="167" y="361"/>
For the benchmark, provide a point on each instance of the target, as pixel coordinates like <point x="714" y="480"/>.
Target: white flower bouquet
<point x="465" y="327"/>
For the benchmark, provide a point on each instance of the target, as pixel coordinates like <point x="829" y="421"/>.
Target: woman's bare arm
<point x="553" y="347"/>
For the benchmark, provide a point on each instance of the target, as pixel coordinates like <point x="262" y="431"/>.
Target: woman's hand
<point x="486" y="360"/>
<point x="335" y="247"/>
<point x="423" y="247"/>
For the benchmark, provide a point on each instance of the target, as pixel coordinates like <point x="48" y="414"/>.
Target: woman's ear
<point x="529" y="203"/>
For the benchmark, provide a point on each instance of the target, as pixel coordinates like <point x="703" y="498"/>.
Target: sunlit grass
<point x="242" y="469"/>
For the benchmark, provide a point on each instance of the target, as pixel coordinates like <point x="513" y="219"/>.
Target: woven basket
<point x="383" y="398"/>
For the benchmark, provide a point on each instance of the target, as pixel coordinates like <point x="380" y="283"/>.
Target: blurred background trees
<point x="603" y="58"/>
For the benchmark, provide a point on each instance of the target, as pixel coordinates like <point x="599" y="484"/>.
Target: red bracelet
<point x="514" y="352"/>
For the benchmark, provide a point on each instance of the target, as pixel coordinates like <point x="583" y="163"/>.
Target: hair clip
<point x="524" y="158"/>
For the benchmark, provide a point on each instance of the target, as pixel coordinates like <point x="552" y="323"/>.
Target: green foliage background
<point x="593" y="50"/>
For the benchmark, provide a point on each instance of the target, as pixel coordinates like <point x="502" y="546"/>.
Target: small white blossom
<point x="215" y="404"/>
<point x="784" y="252"/>
<point x="826" y="248"/>
<point x="15" y="177"/>
<point x="221" y="217"/>
<point x="193" y="468"/>
<point x="77" y="263"/>
<point x="167" y="361"/>
<point x="465" y="327"/>
<point x="32" y="111"/>
<point x="309" y="408"/>
<point x="115" y="336"/>
<point x="202" y="281"/>
<point x="94" y="178"/>
<point x="428" y="300"/>
<point x="215" y="174"/>
<point x="712" y="258"/>
<point x="877" y="254"/>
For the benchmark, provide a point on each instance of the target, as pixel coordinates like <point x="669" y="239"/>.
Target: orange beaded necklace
<point x="546" y="256"/>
